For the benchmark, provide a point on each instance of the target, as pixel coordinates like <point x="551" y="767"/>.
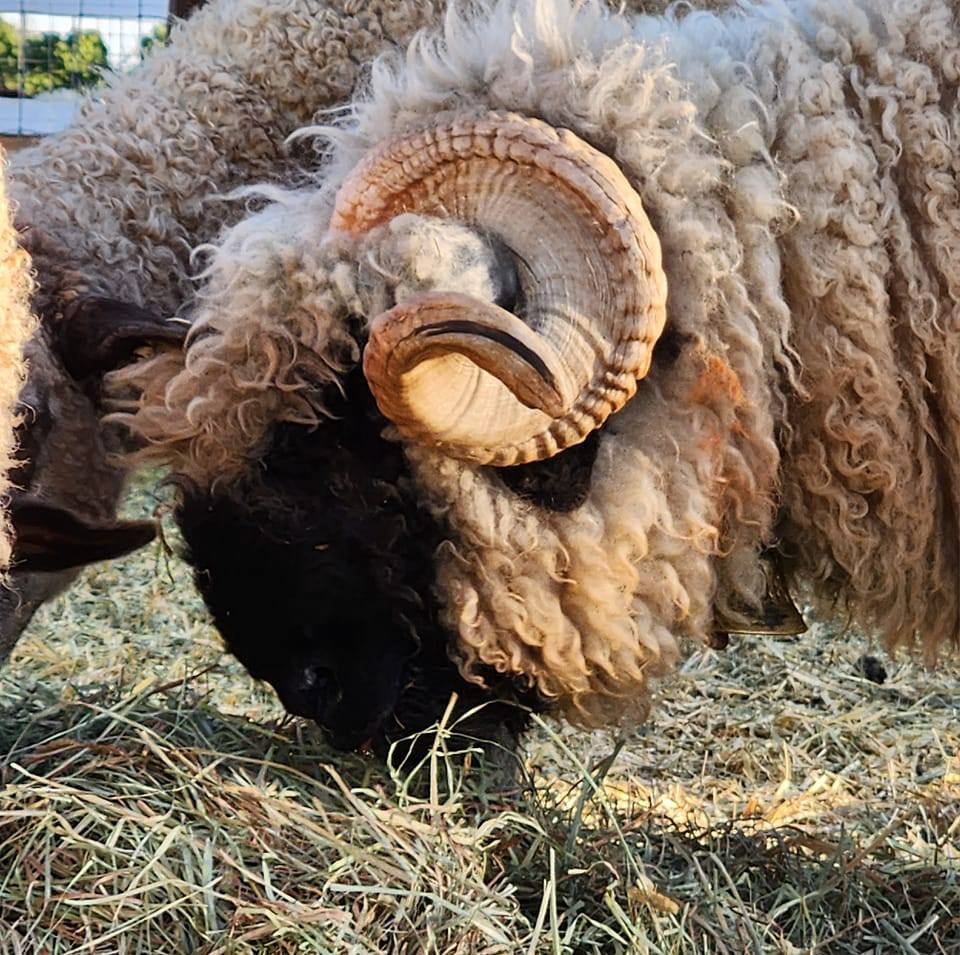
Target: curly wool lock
<point x="16" y="327"/>
<point x="210" y="112"/>
<point x="795" y="161"/>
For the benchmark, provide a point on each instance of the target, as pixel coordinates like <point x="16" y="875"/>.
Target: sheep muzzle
<point x="330" y="522"/>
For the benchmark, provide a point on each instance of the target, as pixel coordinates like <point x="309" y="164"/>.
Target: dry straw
<point x="154" y="801"/>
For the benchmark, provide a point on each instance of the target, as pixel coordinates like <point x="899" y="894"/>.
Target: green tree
<point x="83" y="57"/>
<point x="41" y="74"/>
<point x="9" y="55"/>
<point x="157" y="38"/>
<point x="50" y="61"/>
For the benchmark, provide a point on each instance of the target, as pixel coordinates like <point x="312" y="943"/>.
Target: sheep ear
<point x="49" y="538"/>
<point x="97" y="335"/>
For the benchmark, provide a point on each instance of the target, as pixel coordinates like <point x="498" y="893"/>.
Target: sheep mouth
<point x="352" y="700"/>
<point x="398" y="699"/>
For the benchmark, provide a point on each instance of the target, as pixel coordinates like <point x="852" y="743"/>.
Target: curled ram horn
<point x="471" y="378"/>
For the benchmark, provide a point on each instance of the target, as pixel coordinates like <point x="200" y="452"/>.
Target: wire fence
<point x="54" y="51"/>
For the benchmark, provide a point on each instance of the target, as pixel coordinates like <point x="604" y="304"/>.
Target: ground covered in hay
<point x="154" y="800"/>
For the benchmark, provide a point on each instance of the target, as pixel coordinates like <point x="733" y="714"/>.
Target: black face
<point x="318" y="569"/>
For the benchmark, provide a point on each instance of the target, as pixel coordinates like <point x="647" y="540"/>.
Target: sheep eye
<point x="506" y="269"/>
<point x="560" y="483"/>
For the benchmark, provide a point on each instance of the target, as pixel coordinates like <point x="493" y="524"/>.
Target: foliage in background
<point x="157" y="38"/>
<point x="50" y="61"/>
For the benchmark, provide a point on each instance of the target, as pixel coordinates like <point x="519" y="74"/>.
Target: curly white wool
<point x="116" y="204"/>
<point x="120" y="199"/>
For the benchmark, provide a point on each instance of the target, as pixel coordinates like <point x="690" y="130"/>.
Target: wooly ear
<point x="48" y="538"/>
<point x="97" y="335"/>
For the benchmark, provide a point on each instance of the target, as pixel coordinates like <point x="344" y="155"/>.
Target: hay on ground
<point x="154" y="800"/>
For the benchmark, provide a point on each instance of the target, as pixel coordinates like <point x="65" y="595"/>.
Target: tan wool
<point x="16" y="326"/>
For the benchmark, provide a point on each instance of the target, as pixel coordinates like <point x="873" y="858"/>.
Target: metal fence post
<point x="183" y="8"/>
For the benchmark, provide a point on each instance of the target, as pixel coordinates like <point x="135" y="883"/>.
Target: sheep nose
<point x="310" y="691"/>
<point x="317" y="682"/>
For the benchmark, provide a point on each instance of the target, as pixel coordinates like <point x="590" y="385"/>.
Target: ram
<point x="111" y="211"/>
<point x="595" y="326"/>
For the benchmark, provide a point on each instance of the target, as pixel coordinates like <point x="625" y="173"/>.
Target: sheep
<point x="64" y="491"/>
<point x="110" y="211"/>
<point x="35" y="538"/>
<point x="783" y="171"/>
<point x="793" y="164"/>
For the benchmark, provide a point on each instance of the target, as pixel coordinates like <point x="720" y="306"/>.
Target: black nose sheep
<point x="776" y="184"/>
